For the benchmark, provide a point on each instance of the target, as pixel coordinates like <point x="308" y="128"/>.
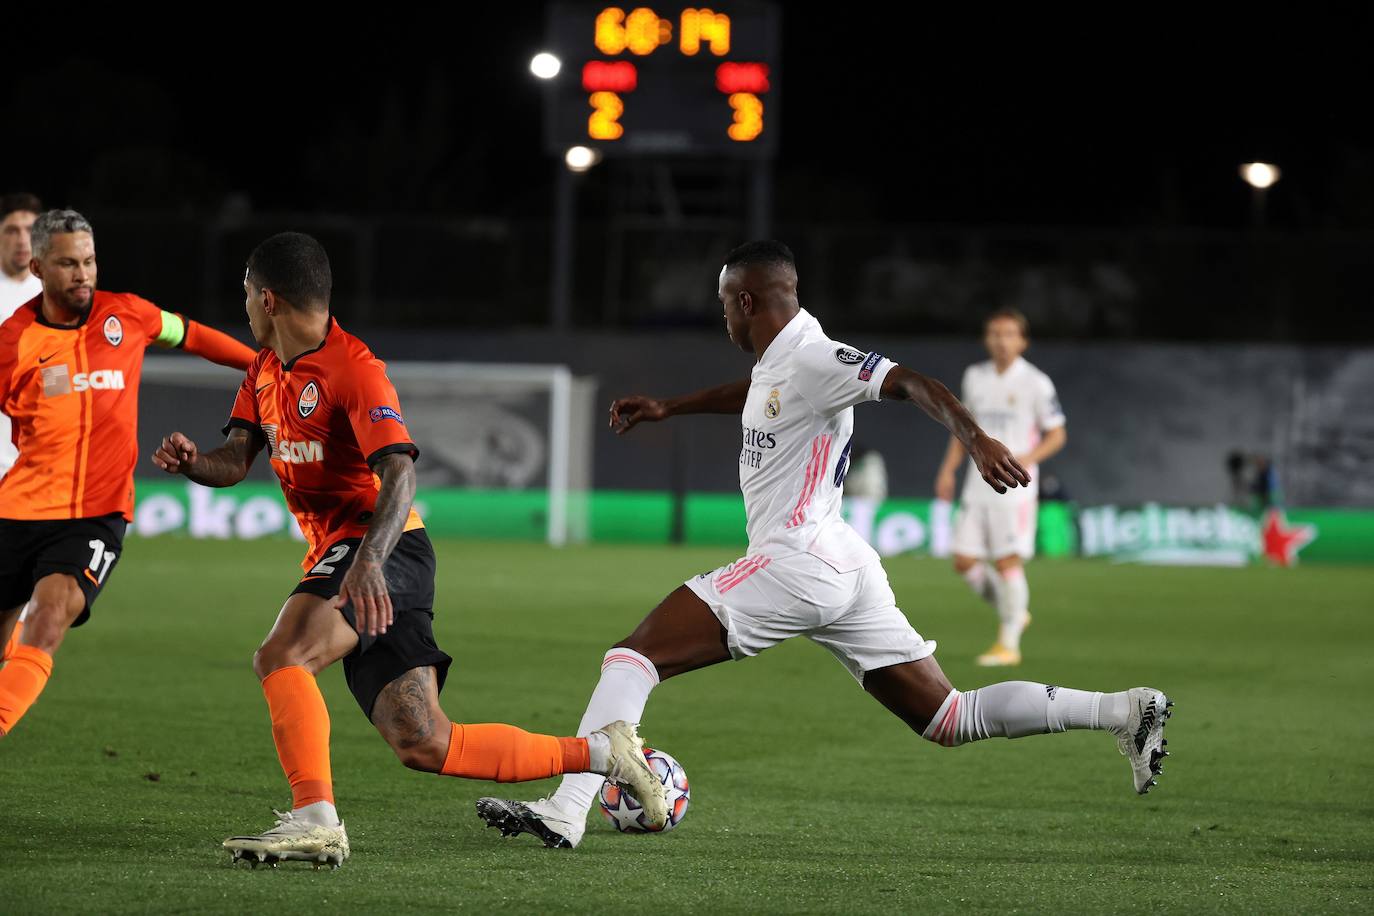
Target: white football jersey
<point x="12" y="295"/>
<point x="1015" y="407"/>
<point x="797" y="424"/>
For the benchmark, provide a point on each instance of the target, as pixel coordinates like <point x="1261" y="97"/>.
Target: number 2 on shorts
<point x="326" y="566"/>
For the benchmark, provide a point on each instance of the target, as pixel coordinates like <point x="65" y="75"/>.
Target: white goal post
<point x="482" y="425"/>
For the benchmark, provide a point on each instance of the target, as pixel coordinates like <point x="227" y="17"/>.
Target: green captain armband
<point x="173" y="330"/>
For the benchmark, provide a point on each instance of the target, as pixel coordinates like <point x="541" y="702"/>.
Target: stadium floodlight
<point x="1260" y="175"/>
<point x="581" y="158"/>
<point x="545" y="65"/>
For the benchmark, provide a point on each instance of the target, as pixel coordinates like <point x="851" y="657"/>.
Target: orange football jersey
<point x="326" y="416"/>
<point x="72" y="394"/>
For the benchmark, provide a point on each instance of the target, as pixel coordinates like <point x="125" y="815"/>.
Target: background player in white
<point x="807" y="573"/>
<point x="1016" y="403"/>
<point x="17" y="283"/>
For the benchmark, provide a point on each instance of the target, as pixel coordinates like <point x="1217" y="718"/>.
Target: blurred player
<point x="70" y="364"/>
<point x="329" y="416"/>
<point x="17" y="283"/>
<point x="807" y="573"/>
<point x="1015" y="402"/>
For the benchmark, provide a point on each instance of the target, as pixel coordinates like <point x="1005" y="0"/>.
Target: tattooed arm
<point x="364" y="583"/>
<point x="224" y="467"/>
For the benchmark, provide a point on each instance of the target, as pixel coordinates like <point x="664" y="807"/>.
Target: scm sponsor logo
<point x="99" y="380"/>
<point x="300" y="452"/>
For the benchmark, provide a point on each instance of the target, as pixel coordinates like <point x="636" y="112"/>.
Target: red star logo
<point x="1281" y="542"/>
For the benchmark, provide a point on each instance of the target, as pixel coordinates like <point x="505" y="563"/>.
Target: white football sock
<point x="626" y="681"/>
<point x="598" y="753"/>
<point x="1013" y="599"/>
<point x="979" y="579"/>
<point x="1014" y="709"/>
<point x="320" y="812"/>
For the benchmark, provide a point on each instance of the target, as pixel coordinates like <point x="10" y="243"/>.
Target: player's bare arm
<point x="365" y="585"/>
<point x="626" y="413"/>
<point x="1054" y="442"/>
<point x="223" y="467"/>
<point x="994" y="461"/>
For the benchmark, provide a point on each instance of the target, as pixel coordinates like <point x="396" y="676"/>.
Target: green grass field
<point x="152" y="744"/>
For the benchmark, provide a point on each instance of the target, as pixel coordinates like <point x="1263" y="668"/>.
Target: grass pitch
<point x="152" y="743"/>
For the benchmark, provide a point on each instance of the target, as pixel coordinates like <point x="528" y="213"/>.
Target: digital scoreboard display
<point x="664" y="80"/>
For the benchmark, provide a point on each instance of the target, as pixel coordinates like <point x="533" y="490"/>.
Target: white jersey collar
<point x="787" y="337"/>
<point x="1015" y="366"/>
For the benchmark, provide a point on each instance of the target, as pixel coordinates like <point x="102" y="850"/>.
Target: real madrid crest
<point x="114" y="331"/>
<point x="309" y="399"/>
<point x="773" y="407"/>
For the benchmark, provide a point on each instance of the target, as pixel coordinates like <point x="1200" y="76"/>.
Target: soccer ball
<point x="624" y="811"/>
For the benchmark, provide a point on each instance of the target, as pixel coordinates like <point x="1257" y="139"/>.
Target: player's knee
<point x="50" y="616"/>
<point x="427" y="755"/>
<point x="272" y="656"/>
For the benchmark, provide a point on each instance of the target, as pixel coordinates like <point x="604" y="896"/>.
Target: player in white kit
<point x="17" y="284"/>
<point x="807" y="573"/>
<point x="995" y="532"/>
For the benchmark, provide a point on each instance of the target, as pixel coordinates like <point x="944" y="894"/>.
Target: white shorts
<point x="762" y="601"/>
<point x="991" y="531"/>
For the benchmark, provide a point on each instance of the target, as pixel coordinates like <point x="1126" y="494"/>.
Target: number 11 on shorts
<point x="101" y="559"/>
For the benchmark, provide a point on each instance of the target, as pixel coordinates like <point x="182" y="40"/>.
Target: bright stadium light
<point x="1260" y="175"/>
<point x="545" y="65"/>
<point x="581" y="158"/>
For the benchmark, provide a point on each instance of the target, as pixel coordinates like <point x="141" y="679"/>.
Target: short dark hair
<point x="295" y="266"/>
<point x="763" y="251"/>
<point x="20" y="201"/>
<point x="1008" y="313"/>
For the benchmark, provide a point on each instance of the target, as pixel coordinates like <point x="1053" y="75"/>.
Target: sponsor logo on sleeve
<point x="114" y="331"/>
<point x="309" y="399"/>
<point x="866" y="371"/>
<point x="379" y="414"/>
<point x="849" y="356"/>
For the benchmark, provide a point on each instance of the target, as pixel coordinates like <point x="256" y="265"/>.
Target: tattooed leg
<point x="408" y="715"/>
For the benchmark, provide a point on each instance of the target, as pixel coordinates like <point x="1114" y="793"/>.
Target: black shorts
<point x="86" y="549"/>
<point x="409" y="642"/>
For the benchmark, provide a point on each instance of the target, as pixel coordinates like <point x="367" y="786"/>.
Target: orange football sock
<point x="300" y="729"/>
<point x="504" y="753"/>
<point x="21" y="681"/>
<point x="13" y="642"/>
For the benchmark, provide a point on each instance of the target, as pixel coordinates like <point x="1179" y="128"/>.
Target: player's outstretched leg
<point x="408" y="715"/>
<point x="919" y="693"/>
<point x="679" y="635"/>
<point x="56" y="603"/>
<point x="309" y="635"/>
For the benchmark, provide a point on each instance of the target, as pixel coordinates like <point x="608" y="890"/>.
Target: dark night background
<point x="1073" y="129"/>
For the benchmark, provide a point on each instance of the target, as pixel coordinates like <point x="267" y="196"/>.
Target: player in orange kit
<point x="70" y="363"/>
<point x="323" y="406"/>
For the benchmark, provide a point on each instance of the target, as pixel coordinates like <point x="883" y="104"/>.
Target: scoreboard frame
<point x="669" y="81"/>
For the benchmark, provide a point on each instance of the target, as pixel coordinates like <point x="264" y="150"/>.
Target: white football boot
<point x="1142" y="740"/>
<point x="292" y="838"/>
<point x="631" y="771"/>
<point x="545" y="818"/>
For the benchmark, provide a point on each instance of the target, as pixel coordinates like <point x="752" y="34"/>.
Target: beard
<point x="78" y="301"/>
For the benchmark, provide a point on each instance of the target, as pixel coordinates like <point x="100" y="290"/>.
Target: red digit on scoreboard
<point x="732" y="77"/>
<point x="609" y="76"/>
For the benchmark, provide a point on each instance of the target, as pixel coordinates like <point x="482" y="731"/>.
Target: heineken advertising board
<point x="1147" y="534"/>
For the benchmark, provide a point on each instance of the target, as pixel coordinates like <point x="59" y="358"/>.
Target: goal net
<point x="482" y="428"/>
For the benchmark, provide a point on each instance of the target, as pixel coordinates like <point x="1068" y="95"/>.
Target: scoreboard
<point x="665" y="80"/>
